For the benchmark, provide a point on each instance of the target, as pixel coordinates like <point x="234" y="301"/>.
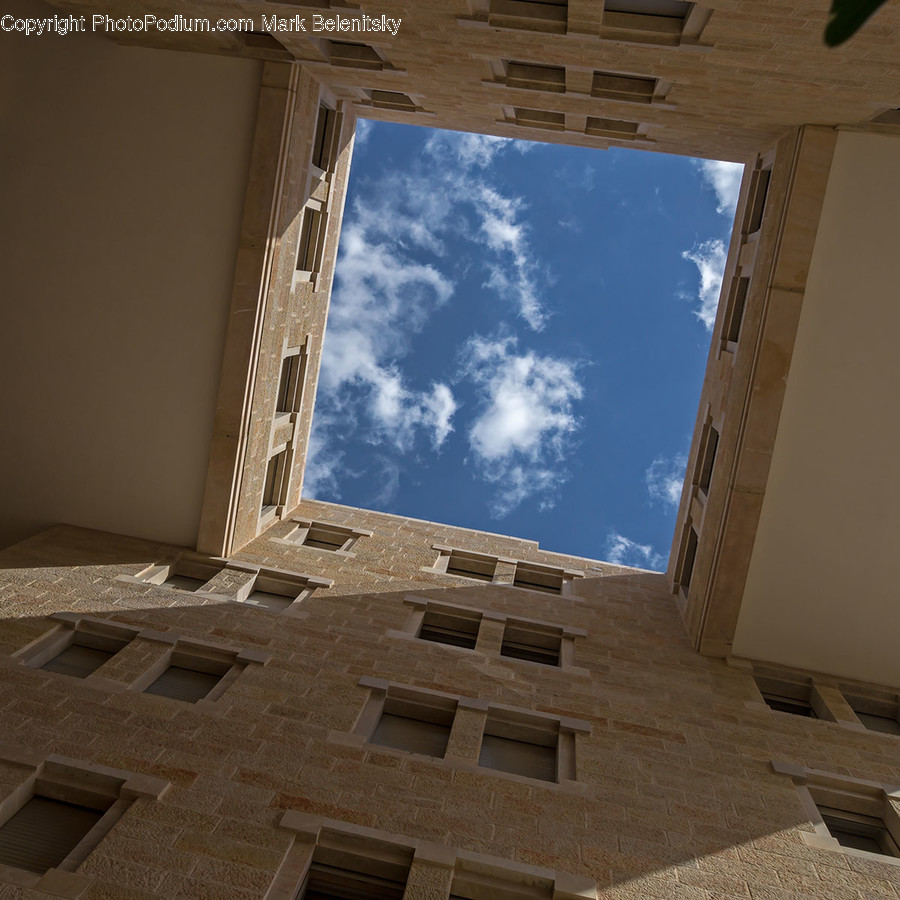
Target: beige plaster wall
<point x="822" y="586"/>
<point x="123" y="172"/>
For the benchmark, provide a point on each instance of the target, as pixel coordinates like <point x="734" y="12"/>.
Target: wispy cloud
<point x="664" y="479"/>
<point x="625" y="552"/>
<point x="526" y="419"/>
<point x="709" y="258"/>
<point x="725" y="179"/>
<point x="363" y="130"/>
<point x="393" y="276"/>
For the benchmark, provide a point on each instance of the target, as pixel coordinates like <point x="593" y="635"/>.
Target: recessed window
<point x="787" y="696"/>
<point x="734" y="312"/>
<point x="519" y="747"/>
<point x="261" y="43"/>
<point x="471" y="565"/>
<point x="611" y="86"/>
<point x="312" y="234"/>
<point x="540" y="118"/>
<point x="687" y="562"/>
<point x="84" y="655"/>
<point x="350" y="866"/>
<point x="530" y="15"/>
<point x="459" y="629"/>
<point x="354" y="55"/>
<point x="676" y="9"/>
<point x="756" y="201"/>
<point x="273" y="487"/>
<point x="188" y="679"/>
<point x="536" y="78"/>
<point x="528" y="643"/>
<point x="538" y="578"/>
<point x="416" y="723"/>
<point x="326" y="882"/>
<point x="275" y="592"/>
<point x="291" y="381"/>
<point x="44" y="832"/>
<point x="324" y="138"/>
<point x="859" y="832"/>
<point x="393" y="100"/>
<point x="183" y="582"/>
<point x="876" y="714"/>
<point x="327" y="537"/>
<point x="616" y="128"/>
<point x="707" y="458"/>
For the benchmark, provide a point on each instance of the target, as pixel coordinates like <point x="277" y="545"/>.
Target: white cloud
<point x="709" y="257"/>
<point x="664" y="478"/>
<point x="471" y="150"/>
<point x="324" y="465"/>
<point x="625" y="552"/>
<point x="725" y="179"/>
<point x="507" y="236"/>
<point x="526" y="420"/>
<point x="363" y="130"/>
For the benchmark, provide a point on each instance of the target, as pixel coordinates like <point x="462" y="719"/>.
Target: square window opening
<point x="471" y="565"/>
<point x="44" y="832"/>
<point x="538" y="578"/>
<point x="522" y="642"/>
<point x="859" y="832"/>
<point x="415" y="724"/>
<point x="519" y="748"/>
<point x="188" y="678"/>
<point x="450" y="628"/>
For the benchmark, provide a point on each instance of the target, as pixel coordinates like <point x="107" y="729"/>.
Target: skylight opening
<point x="518" y="334"/>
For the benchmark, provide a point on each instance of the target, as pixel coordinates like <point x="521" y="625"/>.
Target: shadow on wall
<point x="674" y="792"/>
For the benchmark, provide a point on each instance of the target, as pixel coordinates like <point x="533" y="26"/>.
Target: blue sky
<point x="517" y="336"/>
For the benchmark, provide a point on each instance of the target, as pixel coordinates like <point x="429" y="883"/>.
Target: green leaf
<point x="847" y="17"/>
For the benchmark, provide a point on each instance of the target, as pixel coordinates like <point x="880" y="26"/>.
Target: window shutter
<point x="77" y="661"/>
<point x="43" y="833"/>
<point x="518" y="757"/>
<point x="412" y="735"/>
<point x="183" y="684"/>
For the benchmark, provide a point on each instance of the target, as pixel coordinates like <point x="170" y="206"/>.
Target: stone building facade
<point x="215" y="689"/>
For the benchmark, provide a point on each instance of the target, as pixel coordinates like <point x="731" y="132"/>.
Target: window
<point x="849" y="815"/>
<point x="190" y="572"/>
<point x="59" y="815"/>
<point x="787" y="696"/>
<point x="521" y="641"/>
<point x="325" y="536"/>
<point x="668" y="22"/>
<point x="687" y="561"/>
<point x="263" y="45"/>
<point x="273" y="487"/>
<point x="471" y="565"/>
<point x="536" y="78"/>
<point x="539" y="578"/>
<point x="611" y="86"/>
<point x="78" y="646"/>
<point x="530" y="15"/>
<point x="312" y="237"/>
<point x="44" y="832"/>
<point x="84" y="655"/>
<point x="415" y="722"/>
<point x="290" y="384"/>
<point x="756" y="201"/>
<point x="614" y="128"/>
<point x="859" y="832"/>
<point x="393" y="100"/>
<point x="881" y="715"/>
<point x="734" y="312"/>
<point x="278" y="591"/>
<point x="324" y="138"/>
<point x="513" y="744"/>
<point x="450" y="626"/>
<point x="539" y="118"/>
<point x="188" y="678"/>
<point x="354" y="55"/>
<point x="707" y="458"/>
